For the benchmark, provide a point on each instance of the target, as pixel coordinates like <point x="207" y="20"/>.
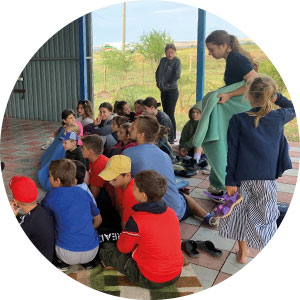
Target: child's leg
<point x="242" y="254"/>
<point x="124" y="263"/>
<point x="197" y="210"/>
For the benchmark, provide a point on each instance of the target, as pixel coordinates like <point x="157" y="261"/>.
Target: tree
<point x="152" y="45"/>
<point x="118" y="62"/>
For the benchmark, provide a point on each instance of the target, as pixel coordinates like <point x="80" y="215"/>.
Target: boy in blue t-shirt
<point x="76" y="217"/>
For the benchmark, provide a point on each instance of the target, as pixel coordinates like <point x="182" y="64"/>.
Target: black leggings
<point x="169" y="100"/>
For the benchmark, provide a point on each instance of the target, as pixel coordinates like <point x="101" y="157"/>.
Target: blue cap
<point x="69" y="136"/>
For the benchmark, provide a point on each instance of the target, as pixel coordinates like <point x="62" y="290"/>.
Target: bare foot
<point x="242" y="257"/>
<point x="106" y="267"/>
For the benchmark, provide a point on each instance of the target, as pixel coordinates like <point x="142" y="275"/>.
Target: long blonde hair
<point x="260" y="93"/>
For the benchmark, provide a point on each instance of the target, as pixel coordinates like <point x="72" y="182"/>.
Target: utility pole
<point x="124" y="26"/>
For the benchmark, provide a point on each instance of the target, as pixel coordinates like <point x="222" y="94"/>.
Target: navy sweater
<point x="258" y="153"/>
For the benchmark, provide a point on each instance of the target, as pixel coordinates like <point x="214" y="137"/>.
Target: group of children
<point x="120" y="181"/>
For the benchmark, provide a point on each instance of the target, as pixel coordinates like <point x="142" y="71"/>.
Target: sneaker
<point x="92" y="264"/>
<point x="62" y="266"/>
<point x="215" y="194"/>
<point x="211" y="220"/>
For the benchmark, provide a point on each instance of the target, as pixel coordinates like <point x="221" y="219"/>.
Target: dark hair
<point x="126" y="127"/>
<point x="65" y="170"/>
<point x="80" y="171"/>
<point x="119" y="120"/>
<point x="152" y="184"/>
<point x="93" y="142"/>
<point x="106" y="105"/>
<point x="87" y="107"/>
<point x="220" y="37"/>
<point x="66" y="113"/>
<point x="150" y="101"/>
<point x="164" y="131"/>
<point x="139" y="101"/>
<point x="118" y="107"/>
<point x="148" y="125"/>
<point x="170" y="46"/>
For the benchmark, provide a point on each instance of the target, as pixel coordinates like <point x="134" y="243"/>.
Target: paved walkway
<point x="20" y="149"/>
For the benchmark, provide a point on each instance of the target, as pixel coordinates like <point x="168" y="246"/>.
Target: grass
<point x="140" y="82"/>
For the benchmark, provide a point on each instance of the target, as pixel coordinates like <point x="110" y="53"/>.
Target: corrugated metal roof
<point x="51" y="78"/>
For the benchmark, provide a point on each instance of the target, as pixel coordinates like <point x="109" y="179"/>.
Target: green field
<point x="140" y="82"/>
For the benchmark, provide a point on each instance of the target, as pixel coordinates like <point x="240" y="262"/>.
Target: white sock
<point x="197" y="157"/>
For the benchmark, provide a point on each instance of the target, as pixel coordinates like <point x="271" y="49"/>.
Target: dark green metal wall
<point x="51" y="78"/>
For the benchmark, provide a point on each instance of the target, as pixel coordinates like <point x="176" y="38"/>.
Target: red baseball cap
<point x="23" y="189"/>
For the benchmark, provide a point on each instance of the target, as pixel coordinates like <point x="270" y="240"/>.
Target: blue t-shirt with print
<point x="237" y="66"/>
<point x="73" y="210"/>
<point x="150" y="157"/>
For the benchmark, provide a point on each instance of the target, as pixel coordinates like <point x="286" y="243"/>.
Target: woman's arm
<point x="225" y="97"/>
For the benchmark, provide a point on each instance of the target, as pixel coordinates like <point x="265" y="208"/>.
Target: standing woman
<point x="239" y="63"/>
<point x="239" y="66"/>
<point x="167" y="74"/>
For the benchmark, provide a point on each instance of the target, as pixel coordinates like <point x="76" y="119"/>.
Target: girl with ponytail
<point x="239" y="63"/>
<point x="257" y="156"/>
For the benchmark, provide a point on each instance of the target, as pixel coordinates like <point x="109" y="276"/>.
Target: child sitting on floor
<point x="81" y="177"/>
<point x="124" y="141"/>
<point x="73" y="151"/>
<point x="186" y="149"/>
<point x="138" y="107"/>
<point x="122" y="108"/>
<point x="36" y="223"/>
<point x="148" y="251"/>
<point x="118" y="173"/>
<point x="163" y="143"/>
<point x="76" y="217"/>
<point x="102" y="191"/>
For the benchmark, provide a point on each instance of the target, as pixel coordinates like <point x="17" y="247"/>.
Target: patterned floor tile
<point x="221" y="277"/>
<point x="288" y="179"/>
<point x="284" y="197"/>
<point x="208" y="261"/>
<point x="205" y="234"/>
<point x="286" y="188"/>
<point x="187" y="230"/>
<point x="231" y="266"/>
<point x="205" y="275"/>
<point x="291" y="172"/>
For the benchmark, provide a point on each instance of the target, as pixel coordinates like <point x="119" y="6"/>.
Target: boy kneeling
<point x="152" y="234"/>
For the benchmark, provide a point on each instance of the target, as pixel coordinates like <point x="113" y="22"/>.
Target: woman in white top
<point x="85" y="112"/>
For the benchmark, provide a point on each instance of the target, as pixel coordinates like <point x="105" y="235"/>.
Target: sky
<point x="178" y="20"/>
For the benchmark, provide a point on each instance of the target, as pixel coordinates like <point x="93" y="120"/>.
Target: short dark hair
<point x="106" y="105"/>
<point x="93" y="142"/>
<point x="148" y="125"/>
<point x="65" y="113"/>
<point x="118" y="107"/>
<point x="64" y="169"/>
<point x="150" y="101"/>
<point x="152" y="184"/>
<point x="80" y="171"/>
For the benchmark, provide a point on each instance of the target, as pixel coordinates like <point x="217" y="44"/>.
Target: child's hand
<point x="223" y="98"/>
<point x="98" y="120"/>
<point x="183" y="152"/>
<point x="230" y="190"/>
<point x="14" y="208"/>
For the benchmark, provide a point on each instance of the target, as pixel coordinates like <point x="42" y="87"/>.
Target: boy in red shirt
<point x="103" y="192"/>
<point x="118" y="173"/>
<point x="148" y="251"/>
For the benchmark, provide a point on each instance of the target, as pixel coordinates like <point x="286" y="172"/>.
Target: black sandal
<point x="190" y="247"/>
<point x="209" y="247"/>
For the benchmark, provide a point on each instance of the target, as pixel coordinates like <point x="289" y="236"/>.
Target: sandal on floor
<point x="209" y="247"/>
<point x="223" y="210"/>
<point x="190" y="247"/>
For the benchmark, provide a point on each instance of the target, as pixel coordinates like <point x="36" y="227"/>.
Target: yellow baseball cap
<point x="117" y="165"/>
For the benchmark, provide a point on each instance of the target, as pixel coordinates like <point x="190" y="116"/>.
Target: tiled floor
<point x="20" y="149"/>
